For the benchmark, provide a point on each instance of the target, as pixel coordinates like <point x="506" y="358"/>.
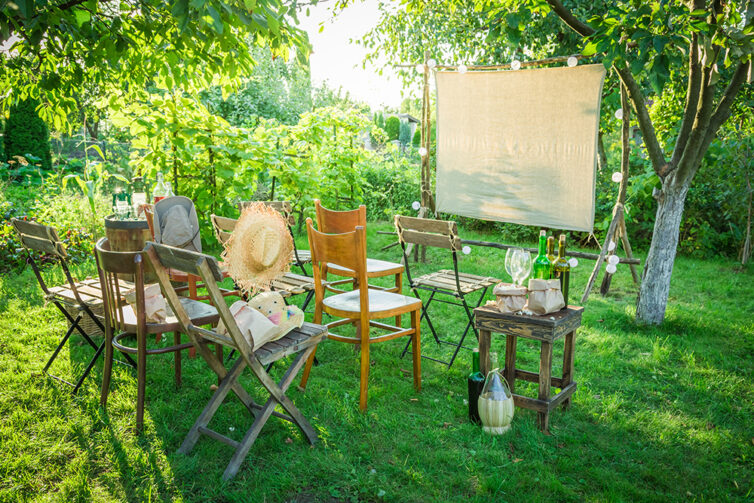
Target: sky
<point x="339" y="63"/>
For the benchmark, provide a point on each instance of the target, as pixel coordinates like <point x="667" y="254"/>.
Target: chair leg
<point x="364" y="380"/>
<point x="307" y="369"/>
<point x="399" y="290"/>
<point x="416" y="348"/>
<point x="62" y="343"/>
<point x="141" y="379"/>
<point x="177" y="341"/>
<point x="108" y="369"/>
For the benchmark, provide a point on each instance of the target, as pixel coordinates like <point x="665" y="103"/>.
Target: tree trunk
<point x="658" y="268"/>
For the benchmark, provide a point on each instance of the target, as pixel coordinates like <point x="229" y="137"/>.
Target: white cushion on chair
<point x="379" y="302"/>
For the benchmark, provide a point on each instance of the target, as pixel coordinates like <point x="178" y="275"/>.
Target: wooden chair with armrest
<point x="362" y="306"/>
<point x="302" y="341"/>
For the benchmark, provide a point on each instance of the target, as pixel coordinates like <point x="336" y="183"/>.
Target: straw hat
<point x="259" y="249"/>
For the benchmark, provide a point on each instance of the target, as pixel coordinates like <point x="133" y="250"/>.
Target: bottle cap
<point x="542" y="232"/>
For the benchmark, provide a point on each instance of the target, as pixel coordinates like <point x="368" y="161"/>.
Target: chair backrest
<point x="282" y="207"/>
<point x="428" y="232"/>
<point x="109" y="265"/>
<point x="223" y="227"/>
<point x="149" y="216"/>
<point x="37" y="238"/>
<point x="162" y="208"/>
<point x="346" y="249"/>
<point x="162" y="258"/>
<point x="339" y="222"/>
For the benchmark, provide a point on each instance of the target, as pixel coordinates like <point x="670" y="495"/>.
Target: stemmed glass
<point x="517" y="264"/>
<point x="509" y="262"/>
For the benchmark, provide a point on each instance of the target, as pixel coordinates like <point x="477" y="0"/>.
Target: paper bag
<point x="154" y="303"/>
<point x="545" y="296"/>
<point x="255" y="327"/>
<point x="510" y="298"/>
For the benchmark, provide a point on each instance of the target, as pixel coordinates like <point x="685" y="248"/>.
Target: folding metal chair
<point x="441" y="234"/>
<point x="302" y="341"/>
<point x="82" y="298"/>
<point x="300" y="257"/>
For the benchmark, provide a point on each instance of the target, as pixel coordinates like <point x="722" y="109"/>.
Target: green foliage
<point x="26" y="133"/>
<point x="392" y="185"/>
<point x="125" y="47"/>
<point x="404" y="134"/>
<point x="392" y="127"/>
<point x="416" y="141"/>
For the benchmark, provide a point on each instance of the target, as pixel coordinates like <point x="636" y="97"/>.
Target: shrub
<point x="416" y="141"/>
<point x="392" y="128"/>
<point x="26" y="133"/>
<point x="392" y="185"/>
<point x="404" y="134"/>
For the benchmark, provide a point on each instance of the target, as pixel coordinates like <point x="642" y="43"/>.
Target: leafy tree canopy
<point x="126" y="46"/>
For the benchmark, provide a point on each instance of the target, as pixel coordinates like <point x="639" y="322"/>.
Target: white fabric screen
<point x="519" y="146"/>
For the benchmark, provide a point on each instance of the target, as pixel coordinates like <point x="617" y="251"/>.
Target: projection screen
<point x="519" y="146"/>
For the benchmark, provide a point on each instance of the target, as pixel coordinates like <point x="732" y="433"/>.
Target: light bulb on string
<point x="431" y="63"/>
<point x="573" y="262"/>
<point x="462" y="68"/>
<point x="613" y="259"/>
<point x="611" y="245"/>
<point x="610" y="268"/>
<point x="420" y="68"/>
<point x="572" y="61"/>
<point x="619" y="114"/>
<point x="416" y="205"/>
<point x="515" y="65"/>
<point x="617" y="177"/>
<point x="422" y="151"/>
<point x="466" y="250"/>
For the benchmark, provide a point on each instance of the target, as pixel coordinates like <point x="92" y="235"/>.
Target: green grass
<point x="659" y="414"/>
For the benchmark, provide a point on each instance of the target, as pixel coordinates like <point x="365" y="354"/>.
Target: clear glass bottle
<point x="541" y="267"/>
<point x="561" y="269"/>
<point x="475" y="384"/>
<point x="160" y="190"/>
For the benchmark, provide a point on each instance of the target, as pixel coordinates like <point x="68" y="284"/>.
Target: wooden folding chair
<point x="441" y="234"/>
<point x="362" y="306"/>
<point x="288" y="284"/>
<point x="302" y="341"/>
<point x="300" y="257"/>
<point x="81" y="298"/>
<point x="123" y="321"/>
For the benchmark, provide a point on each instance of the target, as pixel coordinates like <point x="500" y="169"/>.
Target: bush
<point x="392" y="185"/>
<point x="26" y="133"/>
<point x="416" y="141"/>
<point x="404" y="134"/>
<point x="392" y="128"/>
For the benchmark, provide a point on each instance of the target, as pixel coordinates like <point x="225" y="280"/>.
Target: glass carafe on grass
<point x="496" y="404"/>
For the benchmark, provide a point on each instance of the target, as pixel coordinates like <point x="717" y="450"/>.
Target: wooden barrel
<point x="127" y="235"/>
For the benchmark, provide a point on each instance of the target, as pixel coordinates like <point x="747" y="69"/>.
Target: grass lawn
<point x="659" y="414"/>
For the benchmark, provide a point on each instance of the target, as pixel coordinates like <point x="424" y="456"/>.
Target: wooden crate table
<point x="545" y="329"/>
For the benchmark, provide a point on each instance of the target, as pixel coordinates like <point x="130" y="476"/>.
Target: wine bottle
<point x="540" y="269"/>
<point x="551" y="253"/>
<point x="476" y="383"/>
<point x="160" y="190"/>
<point x="561" y="269"/>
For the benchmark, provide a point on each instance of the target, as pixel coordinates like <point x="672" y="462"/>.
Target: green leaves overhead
<point x="130" y="45"/>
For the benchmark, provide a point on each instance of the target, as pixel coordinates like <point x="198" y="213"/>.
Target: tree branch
<point x="648" y="133"/>
<point x="692" y="100"/>
<point x="568" y="18"/>
<point x="723" y="109"/>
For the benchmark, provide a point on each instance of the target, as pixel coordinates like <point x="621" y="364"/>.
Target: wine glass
<point x="509" y="262"/>
<point x="521" y="261"/>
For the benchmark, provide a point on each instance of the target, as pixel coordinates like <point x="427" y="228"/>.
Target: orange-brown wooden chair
<point x="361" y="306"/>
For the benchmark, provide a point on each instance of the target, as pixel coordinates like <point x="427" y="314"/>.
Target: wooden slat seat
<point x="199" y="312"/>
<point x="381" y="304"/>
<point x="296" y="340"/>
<point x="446" y="279"/>
<point x="304" y="256"/>
<point x="89" y="291"/>
<point x="292" y="284"/>
<point x="375" y="268"/>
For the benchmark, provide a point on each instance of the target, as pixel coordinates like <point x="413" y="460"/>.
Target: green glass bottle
<point x="540" y="269"/>
<point x="551" y="253"/>
<point x="476" y="383"/>
<point x="561" y="269"/>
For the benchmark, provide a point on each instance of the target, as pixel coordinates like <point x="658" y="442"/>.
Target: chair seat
<point x="292" y="284"/>
<point x="304" y="256"/>
<point x="294" y="341"/>
<point x="446" y="280"/>
<point x="199" y="312"/>
<point x="381" y="304"/>
<point x="375" y="268"/>
<point x="90" y="292"/>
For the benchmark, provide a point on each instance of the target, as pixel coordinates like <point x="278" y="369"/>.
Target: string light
<point x="515" y="65"/>
<point x="611" y="245"/>
<point x="420" y="68"/>
<point x="613" y="259"/>
<point x="619" y="114"/>
<point x="422" y="151"/>
<point x="431" y="63"/>
<point x="573" y="61"/>
<point x="416" y="205"/>
<point x="466" y="250"/>
<point x="573" y="262"/>
<point x="462" y="68"/>
<point x="610" y="268"/>
<point x="617" y="177"/>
